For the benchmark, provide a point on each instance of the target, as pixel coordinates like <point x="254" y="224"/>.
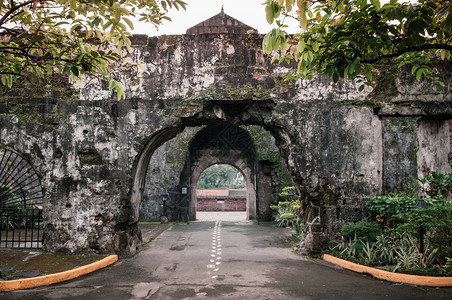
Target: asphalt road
<point x="225" y="260"/>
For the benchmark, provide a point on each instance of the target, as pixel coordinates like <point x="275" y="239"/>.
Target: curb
<point x="28" y="283"/>
<point x="390" y="276"/>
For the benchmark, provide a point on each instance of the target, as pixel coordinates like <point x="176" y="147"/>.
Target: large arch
<point x="142" y="163"/>
<point x="223" y="139"/>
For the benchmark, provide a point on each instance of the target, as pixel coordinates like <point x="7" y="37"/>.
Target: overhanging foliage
<point x="74" y="37"/>
<point x="346" y="38"/>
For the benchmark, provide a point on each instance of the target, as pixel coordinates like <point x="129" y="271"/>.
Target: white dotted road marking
<point x="216" y="249"/>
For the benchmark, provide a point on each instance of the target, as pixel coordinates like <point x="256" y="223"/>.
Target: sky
<point x="250" y="12"/>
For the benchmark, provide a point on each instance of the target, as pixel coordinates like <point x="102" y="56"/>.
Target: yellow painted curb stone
<point x="28" y="283"/>
<point x="390" y="276"/>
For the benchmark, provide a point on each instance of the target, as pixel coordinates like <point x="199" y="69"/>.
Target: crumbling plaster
<point x="92" y="151"/>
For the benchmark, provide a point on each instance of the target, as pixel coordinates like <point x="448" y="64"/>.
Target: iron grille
<point x="20" y="202"/>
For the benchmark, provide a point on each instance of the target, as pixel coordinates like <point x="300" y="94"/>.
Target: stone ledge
<point x="390" y="276"/>
<point x="57" y="277"/>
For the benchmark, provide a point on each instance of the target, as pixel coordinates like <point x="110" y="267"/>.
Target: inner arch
<point x="221" y="188"/>
<point x="222" y="144"/>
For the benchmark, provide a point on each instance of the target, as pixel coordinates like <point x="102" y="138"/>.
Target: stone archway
<point x="222" y="144"/>
<point x="158" y="139"/>
<point x="223" y="139"/>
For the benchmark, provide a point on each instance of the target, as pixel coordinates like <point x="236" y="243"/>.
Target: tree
<point x="73" y="37"/>
<point x="218" y="176"/>
<point x="347" y="38"/>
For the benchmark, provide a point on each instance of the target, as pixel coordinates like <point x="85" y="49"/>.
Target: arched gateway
<point x="224" y="144"/>
<point x="224" y="138"/>
<point x="341" y="145"/>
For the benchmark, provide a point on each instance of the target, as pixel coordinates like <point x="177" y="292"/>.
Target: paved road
<point x="232" y="216"/>
<point x="225" y="260"/>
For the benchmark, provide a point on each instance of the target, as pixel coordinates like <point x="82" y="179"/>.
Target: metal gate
<point x="20" y="202"/>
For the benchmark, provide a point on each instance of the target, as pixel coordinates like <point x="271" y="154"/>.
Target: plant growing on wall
<point x="266" y="150"/>
<point x="436" y="184"/>
<point x="346" y="38"/>
<point x="71" y="37"/>
<point x="287" y="211"/>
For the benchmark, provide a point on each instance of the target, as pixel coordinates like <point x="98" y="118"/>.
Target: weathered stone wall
<point x="399" y="151"/>
<point x="434" y="146"/>
<point x="85" y="157"/>
<point x="335" y="153"/>
<point x="93" y="151"/>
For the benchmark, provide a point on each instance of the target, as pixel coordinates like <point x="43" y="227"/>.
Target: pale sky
<point x="250" y="12"/>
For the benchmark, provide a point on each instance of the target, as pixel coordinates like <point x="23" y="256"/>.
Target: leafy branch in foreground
<point x="347" y="38"/>
<point x="73" y="37"/>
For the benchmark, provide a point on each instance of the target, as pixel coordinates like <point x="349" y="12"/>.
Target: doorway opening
<point x="221" y="194"/>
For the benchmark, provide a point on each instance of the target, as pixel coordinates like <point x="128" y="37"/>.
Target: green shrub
<point x="436" y="184"/>
<point x="392" y="208"/>
<point x="398" y="243"/>
<point x="283" y="196"/>
<point x="287" y="211"/>
<point x="362" y="230"/>
<point x="448" y="265"/>
<point x="436" y="222"/>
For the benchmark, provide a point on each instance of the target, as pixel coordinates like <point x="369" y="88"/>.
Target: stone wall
<point x="399" y="151"/>
<point x="434" y="146"/>
<point x="341" y="146"/>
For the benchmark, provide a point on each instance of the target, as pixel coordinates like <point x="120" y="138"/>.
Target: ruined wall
<point x="336" y="154"/>
<point x="92" y="151"/>
<point x="434" y="146"/>
<point x="399" y="151"/>
<point x="84" y="151"/>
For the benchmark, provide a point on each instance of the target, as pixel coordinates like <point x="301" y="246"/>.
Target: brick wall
<point x="221" y="204"/>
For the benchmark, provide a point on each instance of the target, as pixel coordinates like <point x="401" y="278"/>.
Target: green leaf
<point x="75" y="71"/>
<point x="440" y="86"/>
<point x="419" y="73"/>
<point x="37" y="38"/>
<point x="112" y="84"/>
<point x="369" y="75"/>
<point x="266" y="45"/>
<point x="301" y="45"/>
<point x="120" y="44"/>
<point x="270" y="13"/>
<point x="10" y="80"/>
<point x="361" y="88"/>
<point x="315" y="46"/>
<point x="303" y="20"/>
<point x="96" y="21"/>
<point x="346" y="71"/>
<point x="336" y="77"/>
<point x="376" y="3"/>
<point x="128" y="23"/>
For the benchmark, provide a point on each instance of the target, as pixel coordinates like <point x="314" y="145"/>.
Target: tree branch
<point x="408" y="49"/>
<point x="13" y="9"/>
